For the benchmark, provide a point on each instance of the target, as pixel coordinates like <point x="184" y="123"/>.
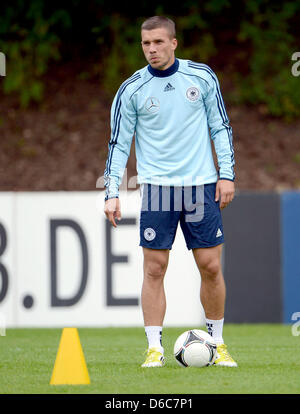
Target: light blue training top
<point x="173" y="114"/>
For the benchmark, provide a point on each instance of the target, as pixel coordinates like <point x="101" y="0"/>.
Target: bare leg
<point x="213" y="291"/>
<point x="153" y="293"/>
<point x="212" y="295"/>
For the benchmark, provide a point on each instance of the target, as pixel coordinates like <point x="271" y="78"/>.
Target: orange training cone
<point x="70" y="366"/>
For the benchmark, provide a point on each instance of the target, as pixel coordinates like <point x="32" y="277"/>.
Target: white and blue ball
<point x="195" y="348"/>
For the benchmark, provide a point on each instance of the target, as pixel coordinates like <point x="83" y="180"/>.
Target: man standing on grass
<point x="174" y="107"/>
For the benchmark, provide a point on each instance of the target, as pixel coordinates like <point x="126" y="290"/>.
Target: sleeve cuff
<point x="225" y="178"/>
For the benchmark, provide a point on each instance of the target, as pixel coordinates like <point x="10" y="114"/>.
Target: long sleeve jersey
<point x="173" y="114"/>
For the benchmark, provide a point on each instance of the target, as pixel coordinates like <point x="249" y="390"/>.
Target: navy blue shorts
<point x="194" y="207"/>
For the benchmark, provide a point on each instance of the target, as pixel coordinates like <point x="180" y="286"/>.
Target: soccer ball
<point x="195" y="348"/>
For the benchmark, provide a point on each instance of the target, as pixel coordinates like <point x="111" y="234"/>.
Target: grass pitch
<point x="268" y="358"/>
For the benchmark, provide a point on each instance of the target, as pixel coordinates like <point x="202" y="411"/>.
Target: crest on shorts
<point x="192" y="93"/>
<point x="149" y="234"/>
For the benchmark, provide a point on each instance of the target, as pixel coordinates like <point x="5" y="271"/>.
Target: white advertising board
<point x="8" y="285"/>
<point x="62" y="264"/>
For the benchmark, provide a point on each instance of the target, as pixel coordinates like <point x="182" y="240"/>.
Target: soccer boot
<point x="223" y="358"/>
<point x="154" y="358"/>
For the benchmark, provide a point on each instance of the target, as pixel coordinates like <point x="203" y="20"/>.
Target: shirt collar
<point x="167" y="72"/>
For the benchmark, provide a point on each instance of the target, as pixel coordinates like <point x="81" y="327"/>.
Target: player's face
<point x="158" y="48"/>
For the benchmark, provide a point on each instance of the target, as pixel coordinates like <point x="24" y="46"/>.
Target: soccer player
<point x="174" y="108"/>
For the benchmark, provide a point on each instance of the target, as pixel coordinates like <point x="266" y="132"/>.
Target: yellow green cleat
<point x="223" y="358"/>
<point x="154" y="358"/>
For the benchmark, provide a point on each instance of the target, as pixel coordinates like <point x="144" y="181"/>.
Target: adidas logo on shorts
<point x="219" y="233"/>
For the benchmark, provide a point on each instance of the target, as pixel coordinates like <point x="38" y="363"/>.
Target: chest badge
<point x="192" y="93"/>
<point x="152" y="105"/>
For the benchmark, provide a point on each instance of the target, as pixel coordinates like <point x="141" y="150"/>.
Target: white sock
<point x="215" y="329"/>
<point x="154" y="334"/>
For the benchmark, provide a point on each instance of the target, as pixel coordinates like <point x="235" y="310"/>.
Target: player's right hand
<point x="112" y="210"/>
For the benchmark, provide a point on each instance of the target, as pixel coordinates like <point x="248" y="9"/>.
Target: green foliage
<point x="253" y="41"/>
<point x="195" y="42"/>
<point x="269" y="80"/>
<point x="122" y="54"/>
<point x="29" y="44"/>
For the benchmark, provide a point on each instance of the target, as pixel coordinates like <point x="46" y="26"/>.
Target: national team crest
<point x="193" y="93"/>
<point x="149" y="234"/>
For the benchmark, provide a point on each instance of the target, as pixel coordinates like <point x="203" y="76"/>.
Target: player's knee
<point x="210" y="268"/>
<point x="155" y="270"/>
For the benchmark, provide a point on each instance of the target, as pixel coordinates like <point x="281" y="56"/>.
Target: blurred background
<point x="60" y="261"/>
<point x="66" y="59"/>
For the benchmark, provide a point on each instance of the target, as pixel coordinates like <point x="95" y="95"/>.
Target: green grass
<point x="268" y="358"/>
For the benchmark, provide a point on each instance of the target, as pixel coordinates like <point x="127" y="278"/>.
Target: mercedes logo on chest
<point x="152" y="104"/>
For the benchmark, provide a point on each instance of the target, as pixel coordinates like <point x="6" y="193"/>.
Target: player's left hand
<point x="224" y="192"/>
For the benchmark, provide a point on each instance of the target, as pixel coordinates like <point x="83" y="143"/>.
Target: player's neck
<point x="161" y="73"/>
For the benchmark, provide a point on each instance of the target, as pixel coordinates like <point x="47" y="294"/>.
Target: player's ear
<point x="174" y="43"/>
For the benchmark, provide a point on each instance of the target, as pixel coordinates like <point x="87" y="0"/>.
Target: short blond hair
<point x="157" y="22"/>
